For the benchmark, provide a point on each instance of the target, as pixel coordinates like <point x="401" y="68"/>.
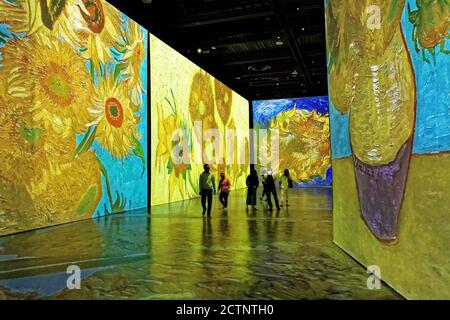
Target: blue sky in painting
<point x="265" y="110"/>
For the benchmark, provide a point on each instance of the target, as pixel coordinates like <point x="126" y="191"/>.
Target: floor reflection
<point x="177" y="254"/>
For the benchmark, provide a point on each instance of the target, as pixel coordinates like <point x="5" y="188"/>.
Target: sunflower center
<point x="57" y="85"/>
<point x="94" y="17"/>
<point x="114" y="112"/>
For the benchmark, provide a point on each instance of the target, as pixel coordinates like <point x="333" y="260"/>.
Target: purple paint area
<point x="381" y="191"/>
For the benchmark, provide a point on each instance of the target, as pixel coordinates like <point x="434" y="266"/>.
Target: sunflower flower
<point x="304" y="143"/>
<point x="114" y="117"/>
<point x="54" y="82"/>
<point x="133" y="43"/>
<point x="103" y="23"/>
<point x="54" y="19"/>
<point x="179" y="174"/>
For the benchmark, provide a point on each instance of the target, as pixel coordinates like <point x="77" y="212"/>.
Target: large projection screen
<point x="73" y="113"/>
<point x="303" y="131"/>
<point x="187" y="103"/>
<point x="390" y="133"/>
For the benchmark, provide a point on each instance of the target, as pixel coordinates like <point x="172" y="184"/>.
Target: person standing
<point x="207" y="186"/>
<point x="271" y="190"/>
<point x="224" y="189"/>
<point x="285" y="182"/>
<point x="252" y="184"/>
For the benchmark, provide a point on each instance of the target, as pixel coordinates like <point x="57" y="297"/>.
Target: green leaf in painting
<point x="117" y="70"/>
<point x="86" y="143"/>
<point x="92" y="69"/>
<point x="139" y="152"/>
<point x="169" y="167"/>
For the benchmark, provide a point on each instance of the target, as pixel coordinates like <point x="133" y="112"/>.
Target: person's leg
<point x="249" y="197"/>
<point x="221" y="197"/>
<point x="275" y="197"/>
<point x="287" y="197"/>
<point x="210" y="194"/>
<point x="204" y="202"/>
<point x="225" y="199"/>
<point x="254" y="197"/>
<point x="269" y="200"/>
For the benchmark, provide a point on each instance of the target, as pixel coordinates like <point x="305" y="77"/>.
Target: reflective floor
<point x="176" y="254"/>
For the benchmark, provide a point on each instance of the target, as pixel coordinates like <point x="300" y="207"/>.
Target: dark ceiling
<point x="262" y="49"/>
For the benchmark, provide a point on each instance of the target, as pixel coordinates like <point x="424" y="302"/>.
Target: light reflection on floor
<point x="176" y="254"/>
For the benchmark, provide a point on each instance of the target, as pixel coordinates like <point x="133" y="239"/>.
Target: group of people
<point x="207" y="187"/>
<point x="269" y="189"/>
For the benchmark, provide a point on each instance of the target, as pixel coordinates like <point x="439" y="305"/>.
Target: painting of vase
<point x="388" y="64"/>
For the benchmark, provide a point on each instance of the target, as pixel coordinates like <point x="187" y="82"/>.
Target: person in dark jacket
<point x="252" y="184"/>
<point x="271" y="190"/>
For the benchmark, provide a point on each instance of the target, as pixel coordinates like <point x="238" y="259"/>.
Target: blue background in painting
<point x="432" y="129"/>
<point x="266" y="110"/>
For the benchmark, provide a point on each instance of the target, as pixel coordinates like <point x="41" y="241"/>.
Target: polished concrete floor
<point x="176" y="254"/>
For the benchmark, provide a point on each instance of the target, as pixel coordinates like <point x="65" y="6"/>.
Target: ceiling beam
<point x="225" y="19"/>
<point x="256" y="60"/>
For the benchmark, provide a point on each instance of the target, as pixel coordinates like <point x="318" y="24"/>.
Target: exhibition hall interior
<point x="224" y="149"/>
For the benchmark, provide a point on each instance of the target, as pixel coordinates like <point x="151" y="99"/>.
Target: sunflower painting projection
<point x="388" y="70"/>
<point x="187" y="102"/>
<point x="72" y="112"/>
<point x="304" y="138"/>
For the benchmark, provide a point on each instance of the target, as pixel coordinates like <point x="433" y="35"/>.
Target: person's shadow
<point x="207" y="235"/>
<point x="224" y="226"/>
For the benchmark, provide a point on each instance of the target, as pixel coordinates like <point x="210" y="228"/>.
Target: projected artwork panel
<point x="73" y="110"/>
<point x="390" y="129"/>
<point x="188" y="103"/>
<point x="302" y="126"/>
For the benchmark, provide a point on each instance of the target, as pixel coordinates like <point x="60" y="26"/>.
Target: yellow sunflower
<point x="201" y="109"/>
<point x="115" y="119"/>
<point x="103" y="29"/>
<point x="133" y="58"/>
<point x="54" y="19"/>
<point x="304" y="143"/>
<point x="54" y="82"/>
<point x="224" y="100"/>
<point x="166" y="129"/>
